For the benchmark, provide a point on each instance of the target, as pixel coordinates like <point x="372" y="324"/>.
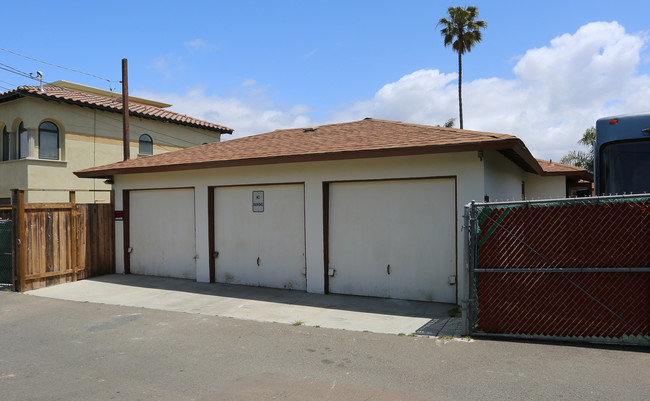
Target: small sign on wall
<point x="258" y="201"/>
<point x="119" y="215"/>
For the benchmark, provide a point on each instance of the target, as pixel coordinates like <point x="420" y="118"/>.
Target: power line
<point x="160" y="141"/>
<point x="9" y="83"/>
<point x="175" y="138"/>
<point x="15" y="71"/>
<point x="59" y="66"/>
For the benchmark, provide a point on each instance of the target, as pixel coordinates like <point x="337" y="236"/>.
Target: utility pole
<point x="125" y="110"/>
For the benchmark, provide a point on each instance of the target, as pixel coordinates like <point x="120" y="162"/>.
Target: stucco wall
<point x="503" y="177"/>
<point x="88" y="137"/>
<point x="494" y="175"/>
<point x="465" y="166"/>
<point x="503" y="180"/>
<point x="538" y="187"/>
<point x="12" y="175"/>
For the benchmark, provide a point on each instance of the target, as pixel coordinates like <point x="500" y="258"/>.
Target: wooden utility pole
<point x="125" y="110"/>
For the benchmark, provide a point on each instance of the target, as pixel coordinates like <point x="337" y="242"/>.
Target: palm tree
<point x="462" y="32"/>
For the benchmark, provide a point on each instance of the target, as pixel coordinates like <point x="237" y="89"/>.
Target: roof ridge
<point x="337" y="141"/>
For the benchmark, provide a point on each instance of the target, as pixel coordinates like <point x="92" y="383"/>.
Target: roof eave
<point x="11" y="95"/>
<point x="585" y="175"/>
<point x="519" y="154"/>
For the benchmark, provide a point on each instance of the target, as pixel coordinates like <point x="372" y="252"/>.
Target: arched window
<point x="23" y="142"/>
<point x="48" y="141"/>
<point x="146" y="145"/>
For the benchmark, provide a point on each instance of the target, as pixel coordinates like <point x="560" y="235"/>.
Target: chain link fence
<point x="571" y="269"/>
<point x="6" y="242"/>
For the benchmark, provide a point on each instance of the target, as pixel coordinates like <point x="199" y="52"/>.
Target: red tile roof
<point x="110" y="103"/>
<point x="359" y="139"/>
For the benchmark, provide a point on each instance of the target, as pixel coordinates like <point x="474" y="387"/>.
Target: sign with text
<point x="258" y="201"/>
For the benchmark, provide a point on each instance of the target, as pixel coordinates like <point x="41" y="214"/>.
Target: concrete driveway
<point x="376" y="315"/>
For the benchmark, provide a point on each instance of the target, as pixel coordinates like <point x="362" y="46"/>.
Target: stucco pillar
<point x="119" y="234"/>
<point x="201" y="230"/>
<point x="314" y="236"/>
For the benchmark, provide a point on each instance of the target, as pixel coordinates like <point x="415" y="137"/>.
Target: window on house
<point x="23" y="142"/>
<point x="146" y="145"/>
<point x="48" y="141"/>
<point x="6" y="143"/>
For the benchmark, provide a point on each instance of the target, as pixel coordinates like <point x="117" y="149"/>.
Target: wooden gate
<point x="61" y="242"/>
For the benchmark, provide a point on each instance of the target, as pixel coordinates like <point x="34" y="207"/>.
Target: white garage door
<point x="260" y="235"/>
<point x="394" y="239"/>
<point x="162" y="233"/>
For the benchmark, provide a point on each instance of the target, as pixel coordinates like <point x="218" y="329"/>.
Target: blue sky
<point x="545" y="71"/>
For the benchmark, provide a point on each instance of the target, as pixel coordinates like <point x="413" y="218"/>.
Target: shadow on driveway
<point x="262" y="304"/>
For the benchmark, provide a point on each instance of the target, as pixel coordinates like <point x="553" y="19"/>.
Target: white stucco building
<point x="370" y="207"/>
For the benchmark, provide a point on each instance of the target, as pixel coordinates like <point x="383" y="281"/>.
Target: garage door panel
<point x="261" y="248"/>
<point x="162" y="233"/>
<point x="355" y="254"/>
<point x="393" y="238"/>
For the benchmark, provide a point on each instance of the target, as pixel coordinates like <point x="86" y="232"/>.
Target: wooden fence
<point x="61" y="242"/>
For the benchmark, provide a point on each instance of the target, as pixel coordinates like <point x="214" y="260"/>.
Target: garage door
<point x="162" y="233"/>
<point x="394" y="239"/>
<point x="260" y="235"/>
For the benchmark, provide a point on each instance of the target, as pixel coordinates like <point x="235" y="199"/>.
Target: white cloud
<point x="248" y="82"/>
<point x="167" y="65"/>
<point x="252" y="115"/>
<point x="425" y="96"/>
<point x="558" y="91"/>
<point x="200" y="45"/>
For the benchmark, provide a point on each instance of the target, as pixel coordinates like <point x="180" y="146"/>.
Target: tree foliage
<point x="449" y="123"/>
<point x="461" y="31"/>
<point x="583" y="158"/>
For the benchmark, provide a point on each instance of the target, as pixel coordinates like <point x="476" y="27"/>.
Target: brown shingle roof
<point x="550" y="167"/>
<point x="359" y="139"/>
<point x="109" y="103"/>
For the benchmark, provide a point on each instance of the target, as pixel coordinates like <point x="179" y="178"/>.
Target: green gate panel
<point x="6" y="240"/>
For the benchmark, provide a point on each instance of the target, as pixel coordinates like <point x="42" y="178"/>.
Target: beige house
<point x="48" y="133"/>
<point x="370" y="207"/>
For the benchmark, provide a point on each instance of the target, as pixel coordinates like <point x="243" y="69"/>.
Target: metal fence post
<point x="466" y="294"/>
<point x="469" y="224"/>
<point x="473" y="251"/>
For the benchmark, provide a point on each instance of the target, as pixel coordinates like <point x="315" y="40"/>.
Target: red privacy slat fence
<point x="571" y="269"/>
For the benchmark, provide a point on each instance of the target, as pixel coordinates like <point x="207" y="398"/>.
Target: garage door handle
<point x="258" y="260"/>
<point x="388" y="269"/>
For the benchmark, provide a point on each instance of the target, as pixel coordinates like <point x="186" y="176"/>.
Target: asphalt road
<point x="65" y="350"/>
